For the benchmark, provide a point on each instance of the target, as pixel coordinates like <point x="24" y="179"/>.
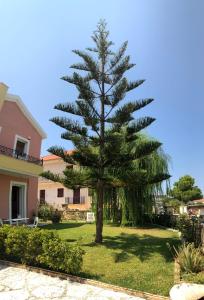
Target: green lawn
<point x="134" y="258"/>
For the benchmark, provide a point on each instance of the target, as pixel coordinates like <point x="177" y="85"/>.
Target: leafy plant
<point x="190" y="258"/>
<point x="185" y="225"/>
<point x="39" y="247"/>
<point x="56" y="217"/>
<point x="59" y="255"/>
<point x="16" y="243"/>
<point x="45" y="212"/>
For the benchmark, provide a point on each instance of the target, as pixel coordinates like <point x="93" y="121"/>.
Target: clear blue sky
<point x="166" y="40"/>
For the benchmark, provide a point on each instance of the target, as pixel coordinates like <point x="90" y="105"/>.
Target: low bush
<point x="166" y="220"/>
<point x="190" y="258"/>
<point x="56" y="217"/>
<point x="185" y="225"/>
<point x="45" y="212"/>
<point x="38" y="247"/>
<point x="61" y="256"/>
<point x="3" y="235"/>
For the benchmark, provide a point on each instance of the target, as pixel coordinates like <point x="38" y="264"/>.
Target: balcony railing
<point x="22" y="156"/>
<point x="75" y="200"/>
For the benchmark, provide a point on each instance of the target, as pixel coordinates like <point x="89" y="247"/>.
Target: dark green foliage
<point x="185" y="226"/>
<point x="39" y="247"/>
<point x="141" y="184"/>
<point x="184" y="189"/>
<point x="56" y="216"/>
<point x="103" y="124"/>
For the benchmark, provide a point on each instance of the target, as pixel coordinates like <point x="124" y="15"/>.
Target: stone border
<point x="177" y="272"/>
<point x="82" y="280"/>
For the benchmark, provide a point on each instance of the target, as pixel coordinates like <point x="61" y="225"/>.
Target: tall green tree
<point x="99" y="116"/>
<point x="135" y="200"/>
<point x="185" y="190"/>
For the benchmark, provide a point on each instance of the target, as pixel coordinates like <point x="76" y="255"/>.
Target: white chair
<point x="1" y="222"/>
<point x="90" y="218"/>
<point x="35" y="223"/>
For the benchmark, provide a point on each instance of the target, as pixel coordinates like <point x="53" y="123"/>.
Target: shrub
<point x="3" y="235"/>
<point x="45" y="212"/>
<point x="56" y="217"/>
<point x="16" y="243"/>
<point x="34" y="247"/>
<point x="191" y="259"/>
<point x="59" y="255"/>
<point x="185" y="226"/>
<point x="39" y="247"/>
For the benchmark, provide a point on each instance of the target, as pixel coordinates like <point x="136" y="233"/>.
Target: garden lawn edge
<point x="82" y="280"/>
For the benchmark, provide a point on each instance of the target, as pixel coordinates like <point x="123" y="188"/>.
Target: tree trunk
<point x="99" y="212"/>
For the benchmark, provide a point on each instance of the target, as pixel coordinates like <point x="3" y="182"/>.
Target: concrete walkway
<point x="21" y="284"/>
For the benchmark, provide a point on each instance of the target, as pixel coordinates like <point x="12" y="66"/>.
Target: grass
<point x="136" y="258"/>
<point x="194" y="278"/>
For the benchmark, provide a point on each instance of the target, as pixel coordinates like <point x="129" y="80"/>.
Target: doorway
<point x="18" y="200"/>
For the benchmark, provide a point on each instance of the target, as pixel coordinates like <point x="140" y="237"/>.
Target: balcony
<point x="15" y="163"/>
<point x="75" y="200"/>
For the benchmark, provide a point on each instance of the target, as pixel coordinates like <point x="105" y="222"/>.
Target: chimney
<point x="3" y="91"/>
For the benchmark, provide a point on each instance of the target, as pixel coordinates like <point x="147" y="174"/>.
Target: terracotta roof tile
<point x="55" y="157"/>
<point x="198" y="201"/>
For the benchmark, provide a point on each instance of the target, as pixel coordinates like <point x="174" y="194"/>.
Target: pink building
<point x="20" y="164"/>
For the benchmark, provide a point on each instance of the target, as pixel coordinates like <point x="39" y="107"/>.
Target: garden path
<point x="22" y="284"/>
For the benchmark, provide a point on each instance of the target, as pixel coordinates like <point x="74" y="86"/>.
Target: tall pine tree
<point x="97" y="137"/>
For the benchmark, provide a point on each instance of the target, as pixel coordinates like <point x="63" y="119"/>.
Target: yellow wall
<point x="18" y="166"/>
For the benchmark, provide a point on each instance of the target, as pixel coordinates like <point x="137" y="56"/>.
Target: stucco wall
<point x="13" y="122"/>
<point x="5" y="181"/>
<point x="57" y="202"/>
<point x="57" y="166"/>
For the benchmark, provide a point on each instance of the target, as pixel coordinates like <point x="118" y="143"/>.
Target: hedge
<point x="38" y="247"/>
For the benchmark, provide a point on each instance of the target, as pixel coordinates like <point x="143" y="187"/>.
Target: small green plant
<point x="56" y="217"/>
<point x="45" y="212"/>
<point x="190" y="258"/>
<point x="185" y="225"/>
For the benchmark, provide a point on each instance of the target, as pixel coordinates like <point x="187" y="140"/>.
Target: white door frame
<point x="19" y="184"/>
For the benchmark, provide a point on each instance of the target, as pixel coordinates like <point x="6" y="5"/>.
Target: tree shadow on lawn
<point x="144" y="247"/>
<point x="62" y="226"/>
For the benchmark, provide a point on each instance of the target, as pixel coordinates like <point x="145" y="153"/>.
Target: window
<point x="76" y="196"/>
<point x="21" y="146"/>
<point x="60" y="193"/>
<point x="42" y="196"/>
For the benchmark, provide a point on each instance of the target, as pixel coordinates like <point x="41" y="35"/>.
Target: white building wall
<point x="57" y="167"/>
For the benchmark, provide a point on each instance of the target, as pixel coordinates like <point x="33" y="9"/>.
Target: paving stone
<point x="14" y="295"/>
<point x="21" y="284"/>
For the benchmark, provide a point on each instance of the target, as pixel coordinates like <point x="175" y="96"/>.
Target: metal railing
<point x="22" y="156"/>
<point x="75" y="200"/>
